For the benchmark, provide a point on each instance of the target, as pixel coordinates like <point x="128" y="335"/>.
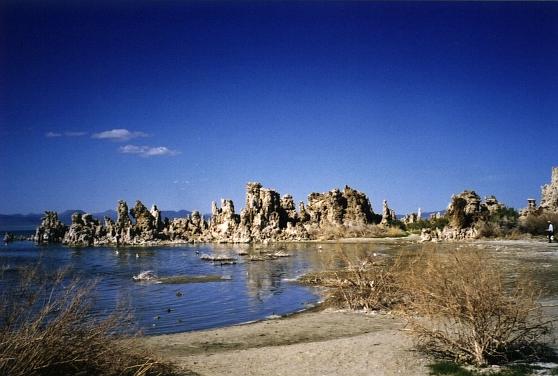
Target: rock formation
<point x="83" y="231"/>
<point x="388" y="215"/>
<point x="549" y="199"/>
<point x="349" y="208"/>
<point x="465" y="213"/>
<point x="144" y="229"/>
<point x="411" y="218"/>
<point x="266" y="217"/>
<point x="549" y="194"/>
<point x="51" y="229"/>
<point x="224" y="222"/>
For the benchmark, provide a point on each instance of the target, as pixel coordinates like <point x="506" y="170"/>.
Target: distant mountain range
<point x="23" y="222"/>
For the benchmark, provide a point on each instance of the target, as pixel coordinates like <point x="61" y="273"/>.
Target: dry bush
<point x="461" y="307"/>
<point x="537" y="224"/>
<point x="363" y="284"/>
<point x="45" y="329"/>
<point x="332" y="232"/>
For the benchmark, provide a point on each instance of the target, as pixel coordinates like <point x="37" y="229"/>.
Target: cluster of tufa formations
<point x="265" y="217"/>
<point x="466" y="213"/>
<point x="549" y="199"/>
<point x="269" y="217"/>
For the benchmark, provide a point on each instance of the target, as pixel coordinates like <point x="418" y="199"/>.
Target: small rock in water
<point x="147" y="275"/>
<point x="281" y="254"/>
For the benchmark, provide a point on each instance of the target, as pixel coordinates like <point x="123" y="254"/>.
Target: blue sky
<point x="182" y="103"/>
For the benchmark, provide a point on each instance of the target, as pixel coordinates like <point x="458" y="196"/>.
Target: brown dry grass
<point x="45" y="329"/>
<point x="332" y="232"/>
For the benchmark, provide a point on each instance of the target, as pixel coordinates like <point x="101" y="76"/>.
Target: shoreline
<point x="415" y="238"/>
<point x="311" y="342"/>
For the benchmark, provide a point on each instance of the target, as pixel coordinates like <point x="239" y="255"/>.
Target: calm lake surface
<point x="249" y="290"/>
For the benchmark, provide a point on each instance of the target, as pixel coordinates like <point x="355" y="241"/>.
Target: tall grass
<point x="46" y="329"/>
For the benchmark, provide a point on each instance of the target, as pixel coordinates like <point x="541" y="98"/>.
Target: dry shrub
<point x="332" y="232"/>
<point x="537" y="224"/>
<point x="45" y="329"/>
<point x="461" y="307"/>
<point x="363" y="284"/>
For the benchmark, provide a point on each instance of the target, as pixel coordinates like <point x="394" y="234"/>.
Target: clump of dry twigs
<point x="46" y="329"/>
<point x="366" y="283"/>
<point x="458" y="304"/>
<point x="461" y="306"/>
<point x="331" y="232"/>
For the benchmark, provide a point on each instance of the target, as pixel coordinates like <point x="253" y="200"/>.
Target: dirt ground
<point x="312" y="343"/>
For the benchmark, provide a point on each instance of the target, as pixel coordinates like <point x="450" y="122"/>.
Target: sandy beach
<point x="328" y="342"/>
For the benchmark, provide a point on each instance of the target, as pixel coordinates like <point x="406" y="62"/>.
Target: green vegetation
<point x="450" y="368"/>
<point x="434" y="223"/>
<point x="502" y="223"/>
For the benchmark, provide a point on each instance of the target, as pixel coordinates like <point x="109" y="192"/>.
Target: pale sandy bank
<point x="313" y="343"/>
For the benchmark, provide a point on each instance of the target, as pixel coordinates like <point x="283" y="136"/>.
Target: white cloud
<point x="53" y="134"/>
<point x="119" y="134"/>
<point x="147" y="151"/>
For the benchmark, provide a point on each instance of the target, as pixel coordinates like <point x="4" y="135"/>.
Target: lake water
<point x="249" y="290"/>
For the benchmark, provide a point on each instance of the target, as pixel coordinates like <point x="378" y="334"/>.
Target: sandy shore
<point x="312" y="343"/>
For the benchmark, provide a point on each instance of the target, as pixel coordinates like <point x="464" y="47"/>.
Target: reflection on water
<point x="245" y="291"/>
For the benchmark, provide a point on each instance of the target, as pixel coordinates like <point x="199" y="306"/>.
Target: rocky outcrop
<point x="549" y="194"/>
<point x="224" y="222"/>
<point x="266" y="217"/>
<point x="51" y="229"/>
<point x="412" y="218"/>
<point x="388" y="215"/>
<point x="144" y="229"/>
<point x="348" y="207"/>
<point x="260" y="218"/>
<point x="466" y="213"/>
<point x="549" y="199"/>
<point x="189" y="229"/>
<point x="83" y="231"/>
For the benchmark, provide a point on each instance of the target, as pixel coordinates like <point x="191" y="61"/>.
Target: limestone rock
<point x="348" y="208"/>
<point x="51" y="229"/>
<point x="83" y="231"/>
<point x="266" y="217"/>
<point x="224" y="222"/>
<point x="463" y="209"/>
<point x="466" y="213"/>
<point x="156" y="214"/>
<point x="549" y="194"/>
<point x="388" y="214"/>
<point x="144" y="228"/>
